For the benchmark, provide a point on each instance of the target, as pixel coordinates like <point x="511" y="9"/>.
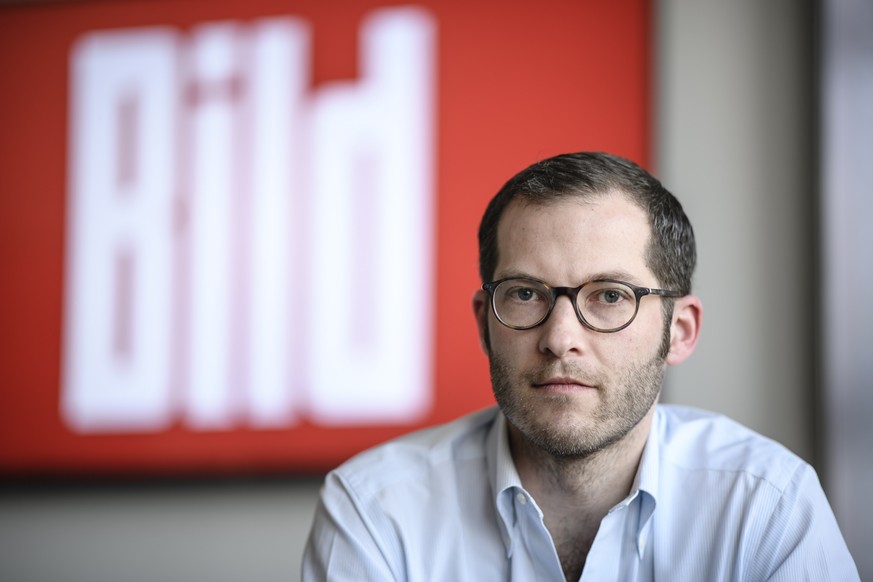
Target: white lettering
<point x="214" y="197"/>
<point x="279" y="78"/>
<point x="370" y="288"/>
<point x="289" y="276"/>
<point x="119" y="249"/>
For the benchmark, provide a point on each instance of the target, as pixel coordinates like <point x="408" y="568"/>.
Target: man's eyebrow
<point x="618" y="275"/>
<point x="513" y="273"/>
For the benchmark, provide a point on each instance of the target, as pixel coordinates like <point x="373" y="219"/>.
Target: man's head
<point x="567" y="387"/>
<point x="672" y="253"/>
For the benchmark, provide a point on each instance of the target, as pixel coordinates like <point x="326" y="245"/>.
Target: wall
<point x="735" y="133"/>
<point x="846" y="213"/>
<point x="174" y="532"/>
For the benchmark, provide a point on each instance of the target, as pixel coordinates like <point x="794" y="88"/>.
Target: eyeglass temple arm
<point x="662" y="292"/>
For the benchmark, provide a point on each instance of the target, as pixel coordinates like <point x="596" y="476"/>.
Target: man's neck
<point x="609" y="471"/>
<point x="575" y="494"/>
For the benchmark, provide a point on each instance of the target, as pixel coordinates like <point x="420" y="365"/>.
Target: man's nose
<point x="562" y="333"/>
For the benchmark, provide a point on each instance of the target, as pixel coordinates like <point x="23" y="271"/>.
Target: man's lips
<point x="562" y="384"/>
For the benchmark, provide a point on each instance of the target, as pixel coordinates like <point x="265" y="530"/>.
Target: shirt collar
<point x="505" y="481"/>
<point x="501" y="466"/>
<point x="646" y="482"/>
<point x="648" y="472"/>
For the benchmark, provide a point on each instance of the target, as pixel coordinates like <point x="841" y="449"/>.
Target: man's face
<point x="569" y="390"/>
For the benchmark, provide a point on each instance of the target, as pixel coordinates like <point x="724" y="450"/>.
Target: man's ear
<point x="684" y="328"/>
<point x="480" y="311"/>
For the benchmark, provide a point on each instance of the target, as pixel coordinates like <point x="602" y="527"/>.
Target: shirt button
<point x="521" y="498"/>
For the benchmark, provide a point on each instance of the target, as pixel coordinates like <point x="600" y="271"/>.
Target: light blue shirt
<point x="711" y="500"/>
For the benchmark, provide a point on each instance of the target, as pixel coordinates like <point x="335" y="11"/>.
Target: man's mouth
<point x="562" y="384"/>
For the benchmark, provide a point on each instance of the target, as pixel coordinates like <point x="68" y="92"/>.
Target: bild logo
<point x="245" y="250"/>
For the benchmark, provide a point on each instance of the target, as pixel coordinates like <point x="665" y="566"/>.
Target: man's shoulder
<point x="419" y="455"/>
<point x="696" y="440"/>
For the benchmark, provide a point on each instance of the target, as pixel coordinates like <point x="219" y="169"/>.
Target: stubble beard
<point x="622" y="404"/>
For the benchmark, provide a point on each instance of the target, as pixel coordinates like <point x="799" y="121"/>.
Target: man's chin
<point x="562" y="444"/>
<point x="570" y="412"/>
<point x="562" y="431"/>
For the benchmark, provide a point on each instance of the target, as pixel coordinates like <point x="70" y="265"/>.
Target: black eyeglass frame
<point x="572" y="293"/>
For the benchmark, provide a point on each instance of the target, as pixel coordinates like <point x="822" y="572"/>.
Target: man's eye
<point x="609" y="296"/>
<point x="524" y="294"/>
<point x="612" y="296"/>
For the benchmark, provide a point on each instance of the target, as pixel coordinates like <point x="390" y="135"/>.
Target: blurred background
<point x="237" y="244"/>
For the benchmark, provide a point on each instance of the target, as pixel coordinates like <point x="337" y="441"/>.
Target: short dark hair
<point x="672" y="252"/>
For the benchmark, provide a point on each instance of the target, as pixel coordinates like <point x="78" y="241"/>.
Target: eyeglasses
<point x="605" y="305"/>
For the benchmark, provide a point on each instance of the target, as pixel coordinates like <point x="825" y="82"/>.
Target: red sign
<point x="242" y="237"/>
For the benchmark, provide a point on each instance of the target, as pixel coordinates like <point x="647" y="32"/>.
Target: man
<point x="578" y="473"/>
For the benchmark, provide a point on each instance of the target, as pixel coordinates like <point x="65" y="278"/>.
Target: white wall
<point x="736" y="115"/>
<point x="734" y="143"/>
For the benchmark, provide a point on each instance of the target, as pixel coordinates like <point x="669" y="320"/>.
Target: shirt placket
<point x="615" y="555"/>
<point x="539" y="559"/>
